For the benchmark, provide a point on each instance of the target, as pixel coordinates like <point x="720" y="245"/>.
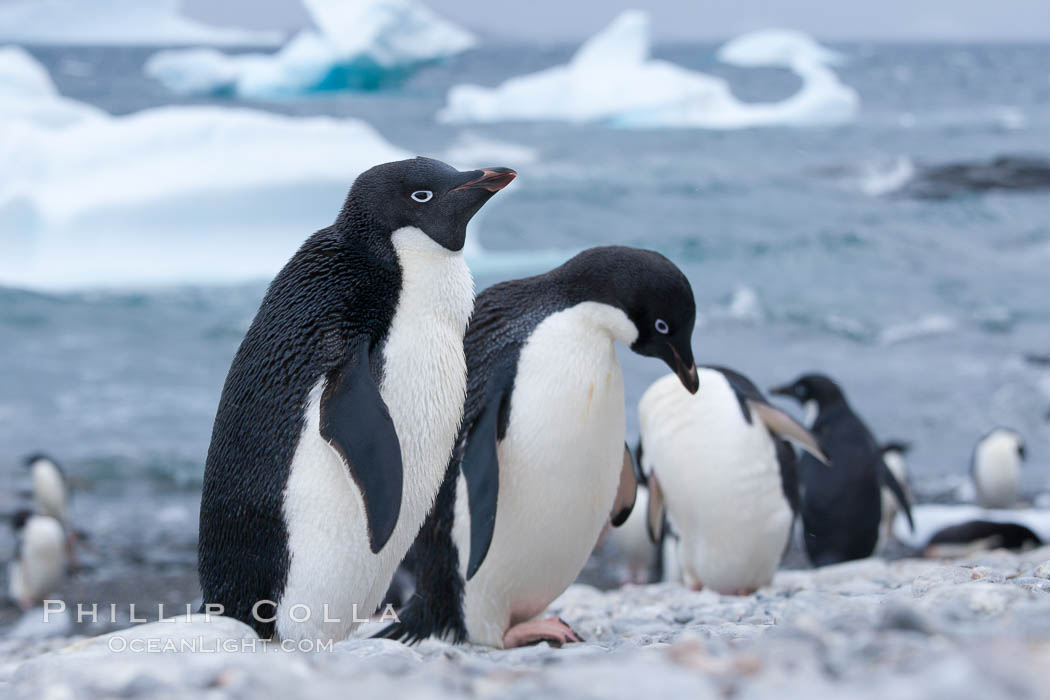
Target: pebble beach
<point x="911" y="628"/>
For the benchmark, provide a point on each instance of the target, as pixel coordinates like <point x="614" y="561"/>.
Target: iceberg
<point x="360" y="45"/>
<point x="116" y="22"/>
<point x="184" y="194"/>
<point x="612" y="79"/>
<point x="27" y="93"/>
<point x="171" y="194"/>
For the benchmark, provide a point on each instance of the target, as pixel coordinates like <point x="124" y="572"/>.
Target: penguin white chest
<point x="559" y="467"/>
<point x="332" y="569"/>
<point x="997" y="471"/>
<point x="41" y="565"/>
<point x="49" y="490"/>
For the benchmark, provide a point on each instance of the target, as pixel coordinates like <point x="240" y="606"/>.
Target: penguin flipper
<point x="357" y="425"/>
<point x="782" y="424"/>
<point x="627" y="492"/>
<point x="480" y="467"/>
<point x="656" y="522"/>
<point x="887" y="477"/>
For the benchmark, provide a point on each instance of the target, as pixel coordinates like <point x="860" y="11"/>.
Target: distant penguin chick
<point x="996" y="468"/>
<point x="893" y="453"/>
<point x="41" y="558"/>
<point x="50" y="489"/>
<point x="728" y="480"/>
<point x="841" y="509"/>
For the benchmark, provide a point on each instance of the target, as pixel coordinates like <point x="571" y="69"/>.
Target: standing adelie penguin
<point x="841" y="507"/>
<point x="340" y="410"/>
<point x="996" y="468"/>
<point x="893" y="455"/>
<point x="718" y="463"/>
<point x="41" y="558"/>
<point x="50" y="490"/>
<point x="541" y="464"/>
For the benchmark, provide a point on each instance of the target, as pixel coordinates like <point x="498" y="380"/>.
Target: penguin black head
<point x="898" y="446"/>
<point x="811" y="387"/>
<point x="32" y="459"/>
<point x="421" y="192"/>
<point x="655" y="295"/>
<point x="20" y="518"/>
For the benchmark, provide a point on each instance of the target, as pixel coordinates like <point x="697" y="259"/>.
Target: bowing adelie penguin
<point x="841" y="507"/>
<point x="719" y="463"/>
<point x="340" y="410"/>
<point x="541" y="465"/>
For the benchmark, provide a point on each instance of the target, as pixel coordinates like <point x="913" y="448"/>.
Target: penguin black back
<point x="841" y="506"/>
<point x="314" y="305"/>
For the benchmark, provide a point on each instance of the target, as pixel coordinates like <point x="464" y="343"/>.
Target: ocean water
<point x="924" y="310"/>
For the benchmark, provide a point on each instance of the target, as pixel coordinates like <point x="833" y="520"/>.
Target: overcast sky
<point x="564" y="20"/>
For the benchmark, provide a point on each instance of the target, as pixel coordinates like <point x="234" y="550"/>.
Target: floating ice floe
<point x="116" y="22"/>
<point x="612" y="79"/>
<point x="182" y="194"/>
<point x="166" y="194"/>
<point x="360" y="45"/>
<point x="27" y="93"/>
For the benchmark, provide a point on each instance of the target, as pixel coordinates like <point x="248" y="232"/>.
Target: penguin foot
<point x="744" y="591"/>
<point x="554" y="630"/>
<point x="696" y="586"/>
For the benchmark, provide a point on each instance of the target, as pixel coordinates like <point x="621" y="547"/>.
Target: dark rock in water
<point x="1013" y="173"/>
<point x="1037" y="359"/>
<point x="997" y="535"/>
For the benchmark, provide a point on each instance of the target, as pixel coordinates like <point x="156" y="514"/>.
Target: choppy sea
<point x="801" y="255"/>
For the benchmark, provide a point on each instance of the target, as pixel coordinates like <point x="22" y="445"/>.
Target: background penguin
<point x="727" y="479"/>
<point x="996" y="468"/>
<point x="841" y="507"/>
<point x="893" y="455"/>
<point x="637" y="557"/>
<point x="50" y="487"/>
<point x="41" y="558"/>
<point x="541" y="464"/>
<point x="339" y="413"/>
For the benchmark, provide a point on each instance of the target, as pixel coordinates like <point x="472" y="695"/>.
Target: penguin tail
<point x="411" y="626"/>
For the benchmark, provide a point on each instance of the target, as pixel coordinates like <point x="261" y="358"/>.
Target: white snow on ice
<point x="612" y="79"/>
<point x="360" y="45"/>
<point x="116" y="22"/>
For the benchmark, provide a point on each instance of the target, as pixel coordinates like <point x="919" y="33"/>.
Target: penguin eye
<point x="661" y="327"/>
<point x="422" y="196"/>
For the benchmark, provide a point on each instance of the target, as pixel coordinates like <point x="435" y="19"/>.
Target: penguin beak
<point x="686" y="373"/>
<point x="784" y="390"/>
<point x="491" y="179"/>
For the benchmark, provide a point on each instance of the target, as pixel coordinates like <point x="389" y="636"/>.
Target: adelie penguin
<point x="41" y="559"/>
<point x="996" y="468"/>
<point x="719" y="463"/>
<point x="841" y="507"/>
<point x="339" y="413"/>
<point x="50" y="489"/>
<point x="541" y="464"/>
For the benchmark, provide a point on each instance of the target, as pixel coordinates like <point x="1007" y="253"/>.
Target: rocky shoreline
<point x="974" y="627"/>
